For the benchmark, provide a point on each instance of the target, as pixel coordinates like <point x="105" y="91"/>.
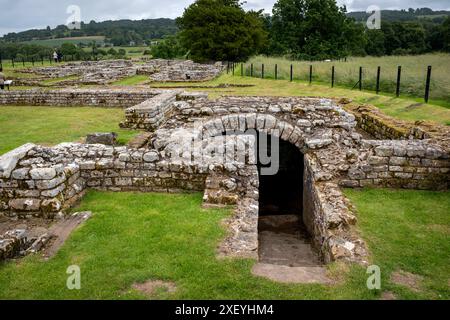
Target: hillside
<point x="405" y="15"/>
<point x="120" y="32"/>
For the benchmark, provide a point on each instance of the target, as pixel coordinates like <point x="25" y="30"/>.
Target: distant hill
<point x="120" y="32"/>
<point x="422" y="14"/>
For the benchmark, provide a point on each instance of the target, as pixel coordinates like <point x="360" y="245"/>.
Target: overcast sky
<point x="18" y="15"/>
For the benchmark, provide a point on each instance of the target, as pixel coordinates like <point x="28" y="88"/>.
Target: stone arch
<point x="280" y="221"/>
<point x="262" y="122"/>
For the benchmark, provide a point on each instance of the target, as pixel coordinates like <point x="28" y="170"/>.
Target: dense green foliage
<point x="408" y="38"/>
<point x="120" y="32"/>
<point x="221" y="30"/>
<point x="313" y="29"/>
<point x="168" y="48"/>
<point x="319" y="29"/>
<point x="10" y="50"/>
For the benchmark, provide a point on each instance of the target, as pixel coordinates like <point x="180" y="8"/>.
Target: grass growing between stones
<point x="51" y="125"/>
<point x="133" y="238"/>
<point x="407" y="230"/>
<point x="410" y="109"/>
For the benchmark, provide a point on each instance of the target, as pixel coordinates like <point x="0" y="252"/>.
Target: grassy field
<point x="170" y="238"/>
<point x="75" y="40"/>
<point x="404" y="108"/>
<point x="414" y="70"/>
<point x="133" y="80"/>
<point x="53" y="125"/>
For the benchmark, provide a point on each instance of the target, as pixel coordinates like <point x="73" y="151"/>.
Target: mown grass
<point x="52" y="125"/>
<point x="414" y="70"/>
<point x="402" y="108"/>
<point x="135" y="237"/>
<point x="133" y="80"/>
<point x="409" y="231"/>
<point x="55" y="81"/>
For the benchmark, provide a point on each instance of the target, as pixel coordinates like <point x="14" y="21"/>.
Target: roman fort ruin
<point x="197" y="144"/>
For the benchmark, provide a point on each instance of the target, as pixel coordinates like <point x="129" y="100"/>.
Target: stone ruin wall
<point x="109" y="71"/>
<point x="76" y="97"/>
<point x="42" y="181"/>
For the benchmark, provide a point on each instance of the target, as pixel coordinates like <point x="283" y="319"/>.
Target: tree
<point x="446" y="34"/>
<point x="168" y="48"/>
<point x="315" y="29"/>
<point x="375" y="43"/>
<point x="68" y="49"/>
<point x="221" y="30"/>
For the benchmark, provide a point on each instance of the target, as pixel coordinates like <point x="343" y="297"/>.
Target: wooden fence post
<point x="242" y="69"/>
<point x="378" y="80"/>
<point x="276" y="71"/>
<point x="262" y="71"/>
<point x="251" y="70"/>
<point x="399" y="75"/>
<point x="332" y="76"/>
<point x="13" y="65"/>
<point x="360" y="78"/>
<point x="427" y="85"/>
<point x="291" y="76"/>
<point x="310" y="73"/>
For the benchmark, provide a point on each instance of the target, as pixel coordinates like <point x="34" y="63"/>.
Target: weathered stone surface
<point x="151" y="156"/>
<point x="109" y="139"/>
<point x="9" y="160"/>
<point x="42" y="173"/>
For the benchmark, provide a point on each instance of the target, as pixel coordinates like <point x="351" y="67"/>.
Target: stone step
<point x="285" y="274"/>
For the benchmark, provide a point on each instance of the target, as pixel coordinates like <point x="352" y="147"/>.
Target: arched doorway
<point x="283" y="239"/>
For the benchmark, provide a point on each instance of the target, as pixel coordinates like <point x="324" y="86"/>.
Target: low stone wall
<point x="381" y="126"/>
<point x="76" y="97"/>
<point x="412" y="164"/>
<point x="43" y="181"/>
<point x="151" y="113"/>
<point x="329" y="220"/>
<point x="179" y="70"/>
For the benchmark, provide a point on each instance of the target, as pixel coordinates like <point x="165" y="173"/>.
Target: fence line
<point x="334" y="75"/>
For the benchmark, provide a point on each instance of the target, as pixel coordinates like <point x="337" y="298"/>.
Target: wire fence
<point x="364" y="79"/>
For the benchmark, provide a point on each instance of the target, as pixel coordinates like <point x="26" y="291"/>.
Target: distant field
<point x="75" y="40"/>
<point x="414" y="70"/>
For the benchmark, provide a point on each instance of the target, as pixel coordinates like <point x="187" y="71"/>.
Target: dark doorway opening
<point x="283" y="239"/>
<point x="280" y="193"/>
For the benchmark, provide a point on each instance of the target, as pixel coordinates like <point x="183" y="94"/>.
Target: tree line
<point x="221" y="30"/>
<point x="118" y="33"/>
<point x="299" y="29"/>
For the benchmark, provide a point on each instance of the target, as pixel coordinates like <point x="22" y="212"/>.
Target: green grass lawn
<point x="133" y="80"/>
<point x="402" y="108"/>
<point x="414" y="70"/>
<point x="134" y="237"/>
<point x="407" y="230"/>
<point x="53" y="125"/>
